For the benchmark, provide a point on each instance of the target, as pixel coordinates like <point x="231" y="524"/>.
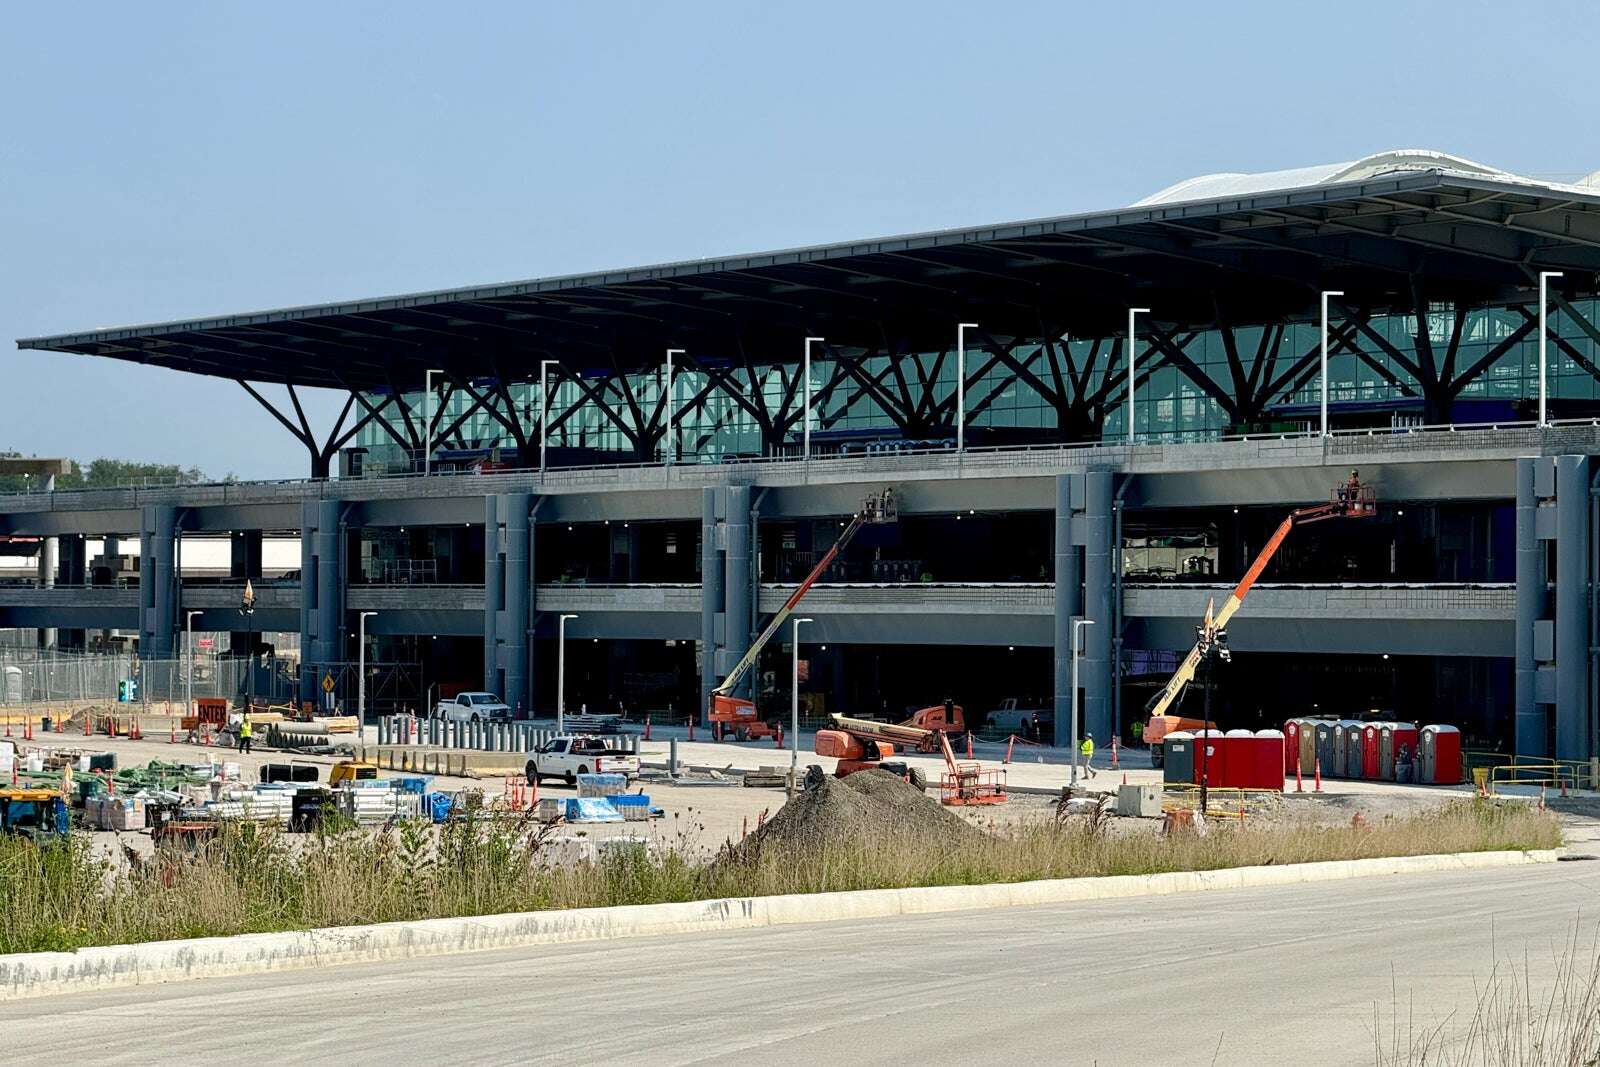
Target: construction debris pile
<point x="866" y="809"/>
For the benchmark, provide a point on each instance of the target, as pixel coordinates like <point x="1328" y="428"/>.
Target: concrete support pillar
<point x="47" y="569"/>
<point x="244" y="563"/>
<point x="1572" y="608"/>
<point x="1530" y="718"/>
<point x="73" y="567"/>
<point x="158" y="582"/>
<point x="1094" y="666"/>
<point x="515" y="509"/>
<point x="736" y="585"/>
<point x="493" y="592"/>
<point x="710" y="597"/>
<point x="1069" y="599"/>
<point x="321" y="593"/>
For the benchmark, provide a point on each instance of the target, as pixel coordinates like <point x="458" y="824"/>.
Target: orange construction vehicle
<point x="864" y="745"/>
<point x="737" y="715"/>
<point x="1350" y="500"/>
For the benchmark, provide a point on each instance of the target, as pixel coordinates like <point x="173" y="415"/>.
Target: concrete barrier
<point x="35" y="974"/>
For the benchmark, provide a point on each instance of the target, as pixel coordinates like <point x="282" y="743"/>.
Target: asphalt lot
<point x="1303" y="974"/>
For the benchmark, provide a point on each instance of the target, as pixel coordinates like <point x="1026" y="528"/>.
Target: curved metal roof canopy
<point x="1252" y="247"/>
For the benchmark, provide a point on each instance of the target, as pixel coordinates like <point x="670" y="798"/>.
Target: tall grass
<point x="1518" y="1020"/>
<point x="254" y="879"/>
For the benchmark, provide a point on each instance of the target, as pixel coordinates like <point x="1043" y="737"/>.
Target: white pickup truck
<point x="472" y="707"/>
<point x="568" y="756"/>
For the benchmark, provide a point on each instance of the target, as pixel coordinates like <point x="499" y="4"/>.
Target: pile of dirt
<point x="862" y="810"/>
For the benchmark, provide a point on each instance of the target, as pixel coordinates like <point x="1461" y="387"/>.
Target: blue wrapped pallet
<point x="411" y="784"/>
<point x="591" y="809"/>
<point x="630" y="800"/>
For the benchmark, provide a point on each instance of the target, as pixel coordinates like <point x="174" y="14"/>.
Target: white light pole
<point x="1544" y="305"/>
<point x="805" y="370"/>
<point x="671" y="408"/>
<point x="427" y="420"/>
<point x="561" y="675"/>
<point x="544" y="406"/>
<point x="1131" y="313"/>
<point x="1325" y="295"/>
<point x="361" y="672"/>
<point x="794" y="705"/>
<point x="1077" y="627"/>
<point x="961" y="383"/>
<point x="188" y="646"/>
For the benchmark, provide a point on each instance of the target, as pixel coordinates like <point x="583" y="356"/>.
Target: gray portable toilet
<point x="1177" y="766"/>
<point x="1353" y="756"/>
<point x="1327" y="731"/>
<point x="1386" y="751"/>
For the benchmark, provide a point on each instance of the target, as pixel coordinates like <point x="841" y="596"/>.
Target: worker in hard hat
<point x="245" y="731"/>
<point x="1086" y="750"/>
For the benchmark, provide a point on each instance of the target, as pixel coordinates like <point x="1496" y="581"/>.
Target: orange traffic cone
<point x="1299" y="783"/>
<point x="1317" y="768"/>
<point x="969" y="744"/>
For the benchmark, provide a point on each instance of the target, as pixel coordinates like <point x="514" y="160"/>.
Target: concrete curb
<point x="36" y="974"/>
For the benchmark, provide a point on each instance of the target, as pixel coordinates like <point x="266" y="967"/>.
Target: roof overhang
<point x="1252" y="258"/>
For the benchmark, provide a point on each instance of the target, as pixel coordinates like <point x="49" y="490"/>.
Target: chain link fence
<point x="30" y="677"/>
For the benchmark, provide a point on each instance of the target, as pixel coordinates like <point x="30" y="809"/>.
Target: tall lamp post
<point x="1077" y="628"/>
<point x="671" y="404"/>
<point x="1544" y="339"/>
<point x="1324" y="369"/>
<point x="805" y="419"/>
<point x="247" y="608"/>
<point x="1132" y="312"/>
<point x="544" y="406"/>
<point x="427" y="419"/>
<point x="1213" y="646"/>
<point x="361" y="671"/>
<point x="961" y="383"/>
<point x="561" y="675"/>
<point x="794" y="706"/>
<point x="188" y="651"/>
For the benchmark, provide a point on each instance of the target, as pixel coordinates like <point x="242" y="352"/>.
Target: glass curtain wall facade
<point x="1465" y="365"/>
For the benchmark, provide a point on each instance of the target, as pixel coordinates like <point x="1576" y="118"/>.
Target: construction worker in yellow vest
<point x="244" y="733"/>
<point x="1086" y="750"/>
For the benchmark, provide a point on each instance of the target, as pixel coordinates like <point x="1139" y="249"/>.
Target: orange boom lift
<point x="735" y="713"/>
<point x="1350" y="500"/>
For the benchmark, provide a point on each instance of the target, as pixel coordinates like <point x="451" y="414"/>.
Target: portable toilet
<point x="1327" y="746"/>
<point x="1268" y="762"/>
<point x="1291" y="745"/>
<point x="1340" y="767"/>
<point x="1440" y="762"/>
<point x="1177" y="758"/>
<point x="1240" y="760"/>
<point x="1210" y="757"/>
<point x="1403" y="738"/>
<point x="1369" y="750"/>
<point x="1354" y="759"/>
<point x="1386" y="751"/>
<point x="1308" y="746"/>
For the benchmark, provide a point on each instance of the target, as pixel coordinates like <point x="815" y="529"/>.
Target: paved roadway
<point x="1249" y="977"/>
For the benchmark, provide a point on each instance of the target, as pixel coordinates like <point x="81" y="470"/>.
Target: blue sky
<point x="165" y="161"/>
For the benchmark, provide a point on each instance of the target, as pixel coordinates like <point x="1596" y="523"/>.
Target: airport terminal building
<point x="1096" y="417"/>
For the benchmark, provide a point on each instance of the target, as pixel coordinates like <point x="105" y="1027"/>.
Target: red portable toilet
<point x="1241" y="758"/>
<point x="1291" y="745"/>
<point x="1369" y="751"/>
<point x="1440" y="760"/>
<point x="1403" y="748"/>
<point x="1268" y="762"/>
<point x="1210" y="757"/>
